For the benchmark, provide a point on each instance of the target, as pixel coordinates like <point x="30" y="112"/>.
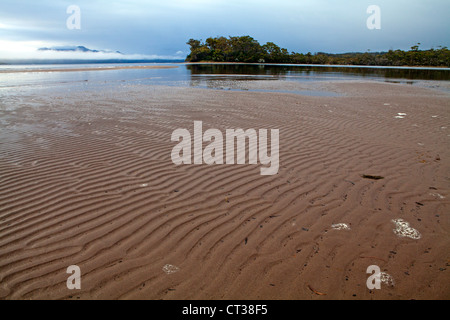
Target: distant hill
<point x="76" y="49"/>
<point x="92" y="56"/>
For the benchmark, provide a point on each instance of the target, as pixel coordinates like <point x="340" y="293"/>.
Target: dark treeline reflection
<point x="283" y="71"/>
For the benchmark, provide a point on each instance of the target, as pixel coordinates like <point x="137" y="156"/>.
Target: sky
<point x="160" y="29"/>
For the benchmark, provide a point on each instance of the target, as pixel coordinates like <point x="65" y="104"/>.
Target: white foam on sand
<point x="340" y="226"/>
<point x="402" y="229"/>
<point x="437" y="195"/>
<point x="169" y="269"/>
<point x="387" y="279"/>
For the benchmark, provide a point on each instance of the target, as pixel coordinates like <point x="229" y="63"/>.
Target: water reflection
<point x="213" y="76"/>
<point x="315" y="73"/>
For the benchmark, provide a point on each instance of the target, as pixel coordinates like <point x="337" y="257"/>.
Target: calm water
<point x="205" y="76"/>
<point x="315" y="73"/>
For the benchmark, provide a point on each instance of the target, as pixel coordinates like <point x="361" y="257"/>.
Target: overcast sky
<point x="161" y="28"/>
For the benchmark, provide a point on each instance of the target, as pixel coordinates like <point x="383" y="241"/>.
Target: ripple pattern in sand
<point x="88" y="181"/>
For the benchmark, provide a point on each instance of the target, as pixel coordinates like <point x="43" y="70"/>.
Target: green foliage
<point x="247" y="49"/>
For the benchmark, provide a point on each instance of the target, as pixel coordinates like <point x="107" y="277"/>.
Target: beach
<point x="86" y="179"/>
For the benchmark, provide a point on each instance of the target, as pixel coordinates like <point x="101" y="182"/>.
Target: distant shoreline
<point x="87" y="69"/>
<point x="321" y="65"/>
<point x="46" y="70"/>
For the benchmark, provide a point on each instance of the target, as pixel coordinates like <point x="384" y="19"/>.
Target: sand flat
<point x="86" y="179"/>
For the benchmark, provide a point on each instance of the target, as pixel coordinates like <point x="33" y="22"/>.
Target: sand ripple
<point x="86" y="179"/>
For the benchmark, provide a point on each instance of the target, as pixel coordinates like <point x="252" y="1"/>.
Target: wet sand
<point x="86" y="179"/>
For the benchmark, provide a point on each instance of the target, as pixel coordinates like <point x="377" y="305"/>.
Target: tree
<point x="194" y="44"/>
<point x="247" y="49"/>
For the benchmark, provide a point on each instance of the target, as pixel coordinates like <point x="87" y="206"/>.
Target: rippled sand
<point x="86" y="179"/>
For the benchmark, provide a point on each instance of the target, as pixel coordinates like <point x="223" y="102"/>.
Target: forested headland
<point x="248" y="50"/>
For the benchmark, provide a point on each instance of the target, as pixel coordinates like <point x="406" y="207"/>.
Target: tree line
<point x="246" y="49"/>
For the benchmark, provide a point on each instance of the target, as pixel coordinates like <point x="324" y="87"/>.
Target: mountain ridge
<point x="76" y="49"/>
